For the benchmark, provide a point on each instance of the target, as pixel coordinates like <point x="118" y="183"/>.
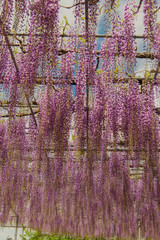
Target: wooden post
<point x="139" y="226"/>
<point x="16" y="230"/>
<point x="87" y="80"/>
<point x="23" y="228"/>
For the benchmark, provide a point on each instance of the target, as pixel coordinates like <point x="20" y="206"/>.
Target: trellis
<point x="40" y="80"/>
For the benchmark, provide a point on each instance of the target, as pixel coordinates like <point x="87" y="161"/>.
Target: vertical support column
<point x="114" y="232"/>
<point x="16" y="230"/>
<point x="139" y="226"/>
<point x="156" y="72"/>
<point x="87" y="79"/>
<point x="23" y="228"/>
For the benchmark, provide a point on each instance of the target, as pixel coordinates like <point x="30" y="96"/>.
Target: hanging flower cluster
<point x="157" y="41"/>
<point x="149" y="20"/>
<point x="85" y="164"/>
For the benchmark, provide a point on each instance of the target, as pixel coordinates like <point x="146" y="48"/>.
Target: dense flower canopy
<point x="79" y="137"/>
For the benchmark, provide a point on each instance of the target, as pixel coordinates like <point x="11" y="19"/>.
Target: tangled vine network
<point x="85" y="161"/>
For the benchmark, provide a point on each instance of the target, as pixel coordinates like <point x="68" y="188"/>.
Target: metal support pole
<point x="139" y="226"/>
<point x="87" y="80"/>
<point x="23" y="228"/>
<point x="16" y="229"/>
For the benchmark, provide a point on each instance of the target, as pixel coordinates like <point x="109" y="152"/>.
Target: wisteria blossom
<point x="79" y="133"/>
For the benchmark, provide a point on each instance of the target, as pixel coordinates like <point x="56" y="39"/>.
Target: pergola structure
<point x="79" y="161"/>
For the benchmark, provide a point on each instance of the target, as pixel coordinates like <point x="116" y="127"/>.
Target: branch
<point x="74" y="5"/>
<point x="21" y="44"/>
<point x="67" y="35"/>
<point x="17" y="70"/>
<point x="140" y="4"/>
<point x="145" y="55"/>
<point x="63" y="33"/>
<point x="138" y="55"/>
<point x="153" y="71"/>
<point x="112" y="3"/>
<point x="92" y="2"/>
<point x="156" y="10"/>
<point x="157" y="70"/>
<point x="20" y="115"/>
<point x="63" y="51"/>
<point x="9" y="47"/>
<point x="97" y="65"/>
